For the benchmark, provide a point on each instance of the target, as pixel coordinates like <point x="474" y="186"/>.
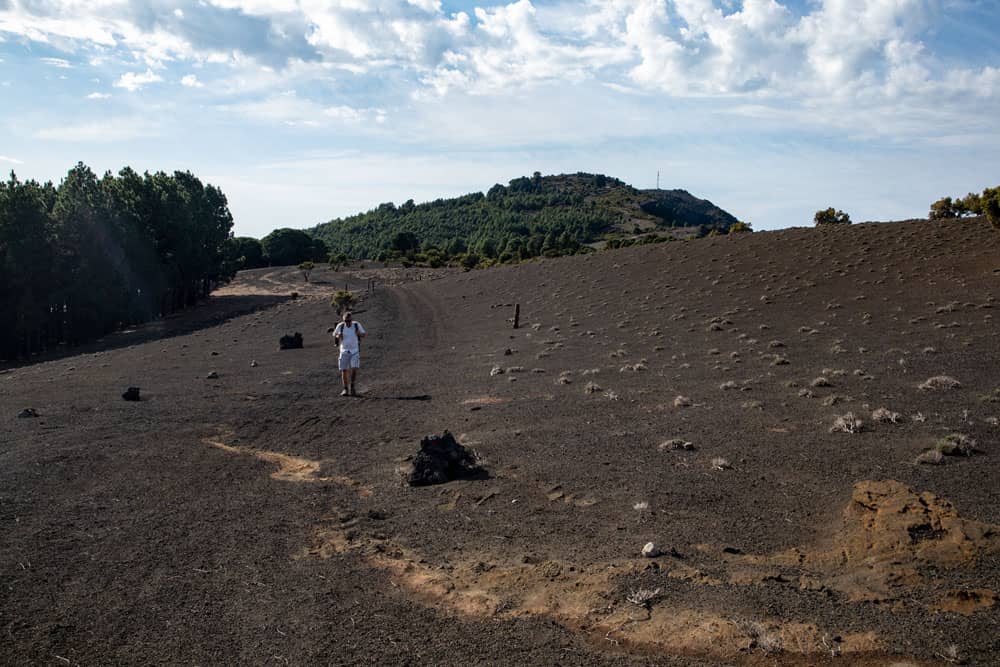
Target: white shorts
<point x="349" y="360"/>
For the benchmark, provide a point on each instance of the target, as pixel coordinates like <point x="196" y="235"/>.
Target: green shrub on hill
<point x="987" y="204"/>
<point x="830" y="216"/>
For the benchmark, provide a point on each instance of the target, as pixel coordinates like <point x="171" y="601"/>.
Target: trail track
<point x="261" y="518"/>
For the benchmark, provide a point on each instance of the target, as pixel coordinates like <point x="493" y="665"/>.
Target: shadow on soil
<point x="209" y="313"/>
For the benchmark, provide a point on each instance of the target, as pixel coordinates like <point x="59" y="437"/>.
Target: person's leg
<point x="354" y="373"/>
<point x="344" y="364"/>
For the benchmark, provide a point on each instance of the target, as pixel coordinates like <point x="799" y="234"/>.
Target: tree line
<point x="94" y="255"/>
<point x="987" y="203"/>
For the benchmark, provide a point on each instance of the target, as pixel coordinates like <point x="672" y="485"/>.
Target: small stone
<point x="650" y="550"/>
<point x="131" y="394"/>
<point x="212" y="375"/>
<point x="253" y="364"/>
<point x="27" y="413"/>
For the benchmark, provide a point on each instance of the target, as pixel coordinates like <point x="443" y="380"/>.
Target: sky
<point x="307" y="110"/>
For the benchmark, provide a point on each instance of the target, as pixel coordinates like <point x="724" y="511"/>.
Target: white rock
<point x="650" y="550"/>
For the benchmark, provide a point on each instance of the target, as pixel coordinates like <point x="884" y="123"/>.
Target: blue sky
<point x="305" y="110"/>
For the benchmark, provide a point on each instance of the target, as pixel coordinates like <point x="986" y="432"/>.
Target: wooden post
<point x="517" y="314"/>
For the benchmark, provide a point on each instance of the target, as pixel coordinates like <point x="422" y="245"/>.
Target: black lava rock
<point x="293" y="342"/>
<point x="441" y="459"/>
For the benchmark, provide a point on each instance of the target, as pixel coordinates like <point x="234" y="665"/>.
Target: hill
<point x="684" y="394"/>
<point x="530" y="217"/>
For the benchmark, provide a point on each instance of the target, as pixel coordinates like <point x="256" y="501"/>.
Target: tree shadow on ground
<point x="209" y="313"/>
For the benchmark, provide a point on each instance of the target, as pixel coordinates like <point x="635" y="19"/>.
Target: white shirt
<point x="349" y="341"/>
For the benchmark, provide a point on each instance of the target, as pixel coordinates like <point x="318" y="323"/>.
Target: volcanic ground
<point x="803" y="422"/>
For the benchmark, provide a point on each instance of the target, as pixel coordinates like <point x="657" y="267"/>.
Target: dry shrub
<point x="847" y="423"/>
<point x="720" y="463"/>
<point x="931" y="457"/>
<point x="682" y="402"/>
<point x="834" y="399"/>
<point x="992" y="397"/>
<point x="760" y="637"/>
<point x="939" y="382"/>
<point x="643" y="597"/>
<point x="885" y="416"/>
<point x="592" y="388"/>
<point x="820" y="382"/>
<point x="675" y="444"/>
<point x="956" y="444"/>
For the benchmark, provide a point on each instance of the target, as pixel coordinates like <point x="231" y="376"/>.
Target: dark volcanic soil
<point x="259" y="517"/>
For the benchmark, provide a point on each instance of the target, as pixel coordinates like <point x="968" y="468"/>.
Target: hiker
<point x="348" y="335"/>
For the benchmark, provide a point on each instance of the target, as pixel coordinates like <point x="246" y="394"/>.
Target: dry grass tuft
<point x="675" y="444"/>
<point x="931" y="457"/>
<point x="992" y="397"/>
<point x="592" y="388"/>
<point x="939" y="382"/>
<point x="847" y="423"/>
<point x="643" y="597"/>
<point x="496" y="370"/>
<point x="682" y="402"/>
<point x="820" y="382"/>
<point x="885" y="416"/>
<point x="956" y="444"/>
<point x="720" y="463"/>
<point x="760" y="637"/>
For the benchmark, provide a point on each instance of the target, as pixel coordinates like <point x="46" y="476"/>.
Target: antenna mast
<point x="657" y="179"/>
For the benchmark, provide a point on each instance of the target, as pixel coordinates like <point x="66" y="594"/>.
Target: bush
<point x="942" y="209"/>
<point x="831" y="217"/>
<point x="990" y="204"/>
<point x="342" y="300"/>
<point x="740" y="228"/>
<point x="306" y="268"/>
<point x="987" y="204"/>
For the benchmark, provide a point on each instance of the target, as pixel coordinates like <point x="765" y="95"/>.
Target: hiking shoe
<point x="353" y="392"/>
<point x="344" y="393"/>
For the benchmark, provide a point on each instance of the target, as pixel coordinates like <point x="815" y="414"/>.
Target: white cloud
<point x="61" y="63"/>
<point x="826" y="59"/>
<point x="133" y="81"/>
<point x="104" y="131"/>
<point x="289" y="109"/>
<point x="98" y="96"/>
<point x="11" y="160"/>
